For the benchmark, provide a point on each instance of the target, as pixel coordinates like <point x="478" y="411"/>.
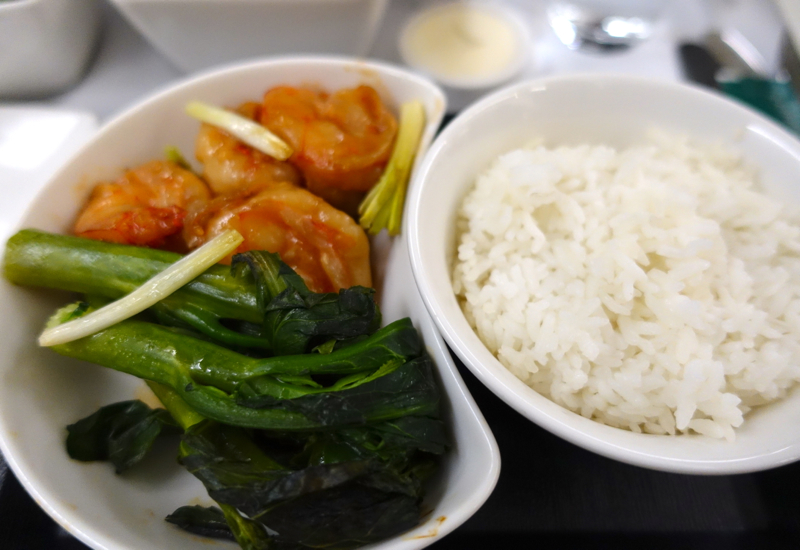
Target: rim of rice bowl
<point x="596" y="109"/>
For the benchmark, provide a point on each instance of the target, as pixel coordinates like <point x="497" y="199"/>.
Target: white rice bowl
<point x="716" y="406"/>
<point x="654" y="288"/>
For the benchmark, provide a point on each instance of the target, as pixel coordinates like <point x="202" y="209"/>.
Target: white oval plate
<point x="41" y="392"/>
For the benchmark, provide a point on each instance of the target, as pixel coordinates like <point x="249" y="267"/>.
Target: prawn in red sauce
<point x="325" y="246"/>
<point x="146" y="206"/>
<point x="342" y="141"/>
<point x="231" y="166"/>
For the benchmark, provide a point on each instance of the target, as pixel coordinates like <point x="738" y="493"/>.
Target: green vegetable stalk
<point x="40" y="259"/>
<point x="207" y="376"/>
<point x="225" y="307"/>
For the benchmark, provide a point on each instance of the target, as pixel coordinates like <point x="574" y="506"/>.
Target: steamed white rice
<point x="653" y="288"/>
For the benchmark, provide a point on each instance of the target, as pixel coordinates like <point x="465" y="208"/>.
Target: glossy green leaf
<point x="201" y="520"/>
<point x="121" y="433"/>
<point x="296" y="319"/>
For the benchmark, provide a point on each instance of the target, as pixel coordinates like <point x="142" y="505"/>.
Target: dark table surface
<point x="552" y="494"/>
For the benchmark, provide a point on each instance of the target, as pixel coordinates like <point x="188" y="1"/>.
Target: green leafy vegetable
<point x="203" y="373"/>
<point x="409" y="388"/>
<point x="40" y="259"/>
<point x="249" y="534"/>
<point x="121" y="433"/>
<point x="342" y="504"/>
<point x="296" y="319"/>
<point x="201" y="520"/>
<point x="325" y="489"/>
<point x="327" y="443"/>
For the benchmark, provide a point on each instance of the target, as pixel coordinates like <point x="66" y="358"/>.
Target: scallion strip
<point x="148" y="294"/>
<point x="252" y="133"/>
<point x="382" y="208"/>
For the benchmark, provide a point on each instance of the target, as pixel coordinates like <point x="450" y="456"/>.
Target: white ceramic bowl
<point x="595" y="109"/>
<point x="45" y="45"/>
<point x="466" y="44"/>
<point x="452" y="44"/>
<point x="41" y="392"/>
<point x="198" y="34"/>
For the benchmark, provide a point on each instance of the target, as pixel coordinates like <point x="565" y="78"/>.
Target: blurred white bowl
<point x="41" y="392"/>
<point x="45" y="45"/>
<point x="594" y="109"/>
<point x="197" y="34"/>
<point x="466" y="44"/>
<point x="470" y="47"/>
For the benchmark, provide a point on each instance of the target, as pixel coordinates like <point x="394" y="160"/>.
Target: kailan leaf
<point x="296" y="319"/>
<point x="201" y="520"/>
<point x="409" y="388"/>
<point x="347" y="516"/>
<point x="339" y="505"/>
<point x="226" y="523"/>
<point x="121" y="433"/>
<point x="203" y="374"/>
<point x="326" y="443"/>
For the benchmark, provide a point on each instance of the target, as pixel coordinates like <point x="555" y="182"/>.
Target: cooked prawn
<point x="322" y="244"/>
<point x="144" y="207"/>
<point x="342" y="141"/>
<point x="230" y="166"/>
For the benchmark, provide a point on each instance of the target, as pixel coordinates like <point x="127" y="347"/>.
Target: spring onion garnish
<point x="151" y="292"/>
<point x="252" y="133"/>
<point x="382" y="208"/>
